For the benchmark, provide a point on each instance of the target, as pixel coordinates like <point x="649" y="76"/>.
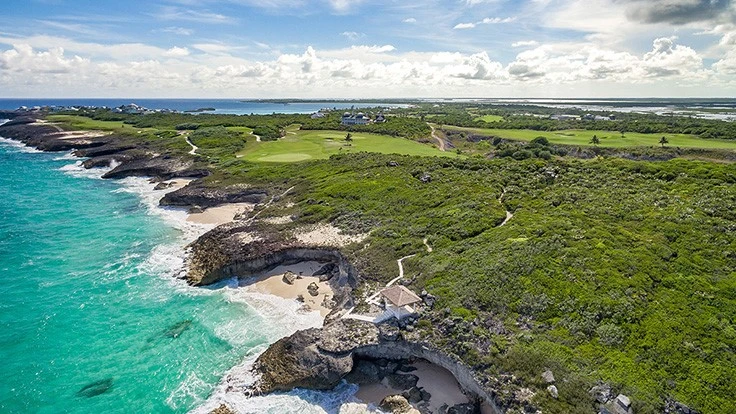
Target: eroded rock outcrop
<point x="320" y="358"/>
<point x="197" y="194"/>
<point x="243" y="249"/>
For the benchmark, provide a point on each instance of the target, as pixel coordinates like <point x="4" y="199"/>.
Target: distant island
<point x="207" y="109"/>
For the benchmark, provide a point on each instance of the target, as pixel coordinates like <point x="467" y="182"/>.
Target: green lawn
<point x="489" y="118"/>
<point x="76" y="122"/>
<point x="607" y="138"/>
<point x="307" y="145"/>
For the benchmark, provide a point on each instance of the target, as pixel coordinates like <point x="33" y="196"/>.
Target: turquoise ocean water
<point x="92" y="318"/>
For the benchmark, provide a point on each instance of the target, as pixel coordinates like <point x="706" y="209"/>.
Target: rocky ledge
<point x="197" y="194"/>
<point x="321" y="358"/>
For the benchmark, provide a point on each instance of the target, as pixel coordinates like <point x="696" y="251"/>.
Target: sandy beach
<point x="220" y="214"/>
<point x="272" y="283"/>
<point x="437" y="381"/>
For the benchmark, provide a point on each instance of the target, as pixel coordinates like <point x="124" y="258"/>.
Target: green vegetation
<point x="607" y="138"/>
<point x="489" y="118"/>
<point x="306" y="145"/>
<point x="610" y="270"/>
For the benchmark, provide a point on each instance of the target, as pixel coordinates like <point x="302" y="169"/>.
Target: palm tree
<point x="595" y="140"/>
<point x="664" y="141"/>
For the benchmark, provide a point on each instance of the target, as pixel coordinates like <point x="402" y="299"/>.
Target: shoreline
<point x="271" y="282"/>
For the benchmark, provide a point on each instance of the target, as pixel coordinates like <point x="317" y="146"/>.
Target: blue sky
<point x="356" y="48"/>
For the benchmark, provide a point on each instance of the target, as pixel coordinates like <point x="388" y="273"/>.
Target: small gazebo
<point x="399" y="300"/>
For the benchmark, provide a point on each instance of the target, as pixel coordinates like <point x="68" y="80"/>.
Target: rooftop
<point x="400" y="296"/>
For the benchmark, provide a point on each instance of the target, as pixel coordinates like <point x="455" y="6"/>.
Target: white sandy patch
<point x="277" y="220"/>
<point x="220" y="214"/>
<point x="327" y="235"/>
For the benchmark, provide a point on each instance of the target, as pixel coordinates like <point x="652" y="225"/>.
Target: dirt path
<point x="194" y="147"/>
<point x="258" y="137"/>
<point x="440" y="141"/>
<point x="429" y="248"/>
<point x="509" y="215"/>
<point x="265" y="207"/>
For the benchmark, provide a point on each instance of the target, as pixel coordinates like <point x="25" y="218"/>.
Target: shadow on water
<point x="95" y="388"/>
<point x="178" y="328"/>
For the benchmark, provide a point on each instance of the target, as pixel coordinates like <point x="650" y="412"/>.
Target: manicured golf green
<point x="607" y="138"/>
<point x="489" y="118"/>
<point x="305" y="145"/>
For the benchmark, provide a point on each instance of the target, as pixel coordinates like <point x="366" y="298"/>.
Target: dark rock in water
<point x="467" y="408"/>
<point x="364" y="372"/>
<point x="164" y="185"/>
<point x="407" y="368"/>
<point x="300" y="298"/>
<point x="289" y="278"/>
<point x="178" y="328"/>
<point x="402" y="381"/>
<point x="425" y="394"/>
<point x="413" y="395"/>
<point x="96" y="388"/>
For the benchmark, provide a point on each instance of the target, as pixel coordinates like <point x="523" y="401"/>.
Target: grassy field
<point x="607" y="138"/>
<point x="489" y="118"/>
<point x="74" y="122"/>
<point x="307" y="145"/>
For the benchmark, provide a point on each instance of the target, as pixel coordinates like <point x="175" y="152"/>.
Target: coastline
<point x="194" y="224"/>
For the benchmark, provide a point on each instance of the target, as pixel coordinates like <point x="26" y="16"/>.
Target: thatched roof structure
<point x="400" y="296"/>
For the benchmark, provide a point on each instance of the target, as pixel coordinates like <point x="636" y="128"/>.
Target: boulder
<point x="222" y="409"/>
<point x="467" y="408"/>
<point x="548" y="377"/>
<point x="397" y="404"/>
<point x="289" y="278"/>
<point x="313" y="289"/>
<point x="620" y="405"/>
<point x="602" y="393"/>
<point x="552" y="390"/>
<point x="402" y="381"/>
<point x="413" y="395"/>
<point x="425" y="178"/>
<point x="389" y="332"/>
<point x="364" y="372"/>
<point x="164" y="185"/>
<point x="327" y="272"/>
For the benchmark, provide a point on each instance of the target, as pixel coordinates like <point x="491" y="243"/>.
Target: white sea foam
<point x="78" y="171"/>
<point x="17" y="144"/>
<point x="283" y="317"/>
<point x="65" y="157"/>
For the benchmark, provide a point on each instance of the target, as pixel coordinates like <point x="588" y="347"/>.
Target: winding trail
<point x="194" y="147"/>
<point x="440" y="141"/>
<point x="509" y="215"/>
<point x="267" y="205"/>
<point x="429" y="248"/>
<point x="258" y="137"/>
